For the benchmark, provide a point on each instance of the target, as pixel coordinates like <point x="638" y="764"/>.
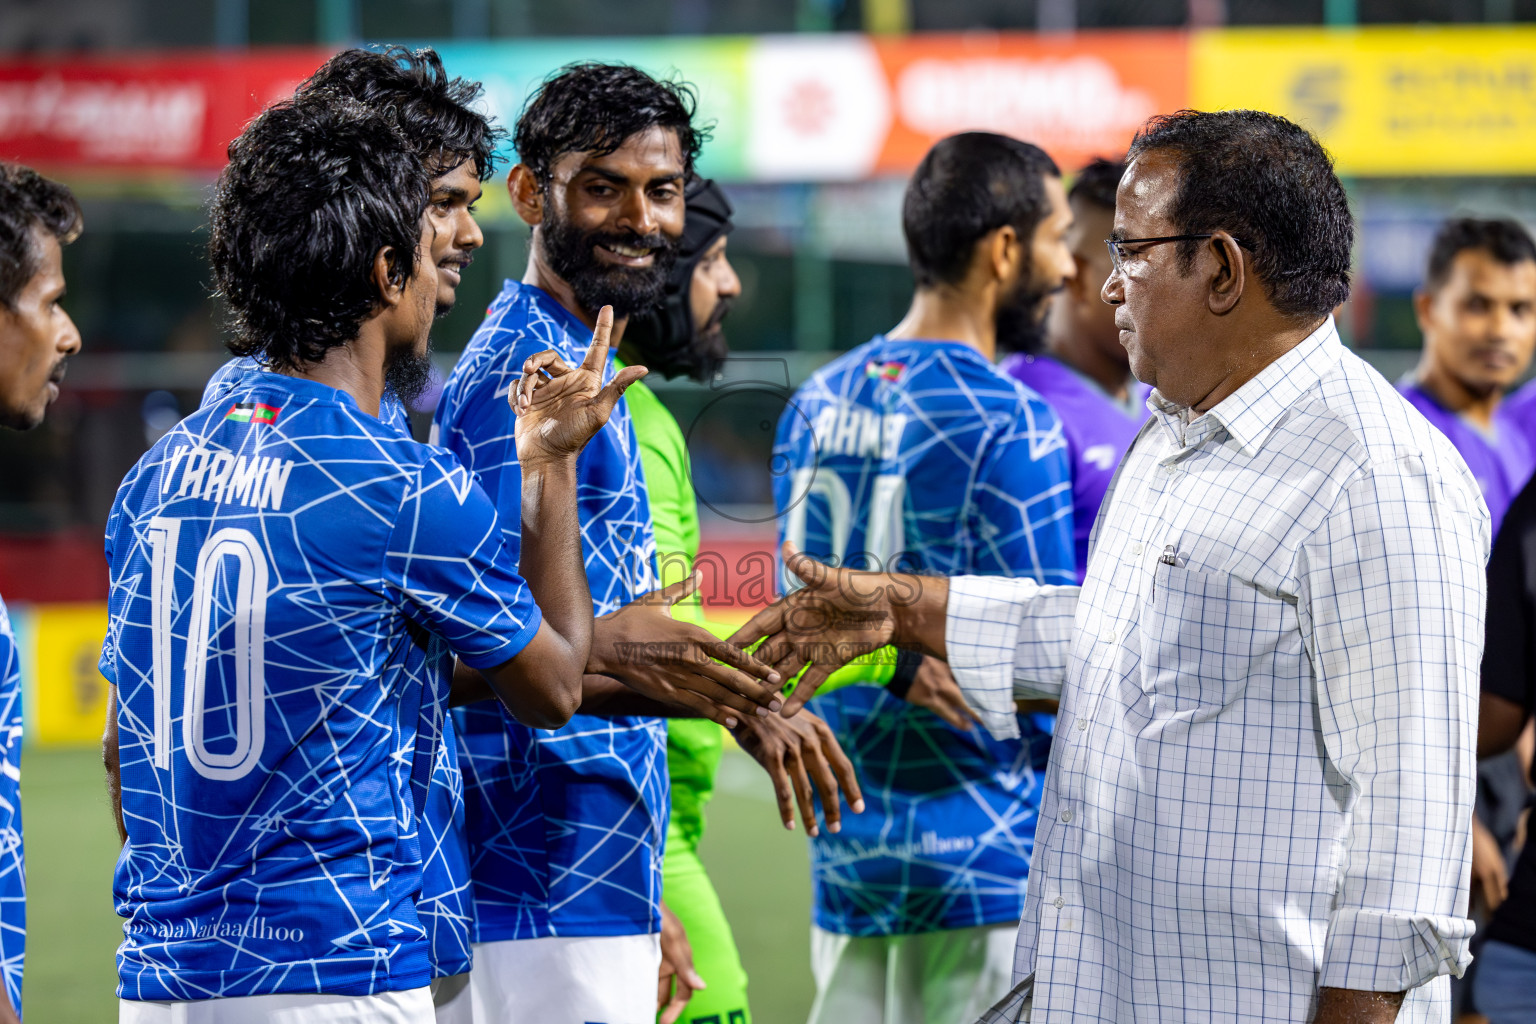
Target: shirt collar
<point x="1248" y="414"/>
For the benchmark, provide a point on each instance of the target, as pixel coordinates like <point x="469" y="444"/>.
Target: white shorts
<point x="410" y="1007"/>
<point x="452" y="1001"/>
<point x="948" y="977"/>
<point x="604" y="979"/>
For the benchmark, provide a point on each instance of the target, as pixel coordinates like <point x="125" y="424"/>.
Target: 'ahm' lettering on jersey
<point x="446" y="907"/>
<point x="944" y="466"/>
<point x="845" y="429"/>
<point x="280" y="659"/>
<point x="565" y="827"/>
<point x="13" y="872"/>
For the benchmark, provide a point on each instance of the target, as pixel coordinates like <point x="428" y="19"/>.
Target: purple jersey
<point x="1099" y="431"/>
<point x="1501" y="461"/>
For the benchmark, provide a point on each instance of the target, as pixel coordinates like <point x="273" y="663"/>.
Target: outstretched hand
<point x="676" y="662"/>
<point x="837" y="616"/>
<point x="560" y="407"/>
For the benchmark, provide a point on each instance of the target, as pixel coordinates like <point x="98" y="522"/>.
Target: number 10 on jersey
<point x="248" y="619"/>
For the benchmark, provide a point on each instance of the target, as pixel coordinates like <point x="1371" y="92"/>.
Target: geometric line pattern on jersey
<point x="922" y="453"/>
<point x="284" y="602"/>
<point x="13" y="870"/>
<point x="446" y="906"/>
<point x="566" y="826"/>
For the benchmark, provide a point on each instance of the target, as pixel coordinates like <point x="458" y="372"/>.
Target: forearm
<point x="606" y="697"/>
<point x="1351" y="1006"/>
<point x="552" y="558"/>
<point x="111" y="762"/>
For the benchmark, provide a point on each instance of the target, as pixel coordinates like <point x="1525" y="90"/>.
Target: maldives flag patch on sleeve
<point x="884" y="371"/>
<point x="253" y="412"/>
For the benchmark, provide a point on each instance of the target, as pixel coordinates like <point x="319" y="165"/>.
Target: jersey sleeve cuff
<point x="510" y="648"/>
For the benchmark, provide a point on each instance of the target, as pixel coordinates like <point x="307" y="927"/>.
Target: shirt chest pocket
<point x="1204" y="636"/>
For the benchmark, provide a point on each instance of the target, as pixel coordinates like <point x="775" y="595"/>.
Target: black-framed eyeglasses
<point x="1117" y="253"/>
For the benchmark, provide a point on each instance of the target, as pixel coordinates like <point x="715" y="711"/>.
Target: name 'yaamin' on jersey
<point x="289" y="578"/>
<point x="446" y="907"/>
<point x="921" y="455"/>
<point x="566" y="826"/>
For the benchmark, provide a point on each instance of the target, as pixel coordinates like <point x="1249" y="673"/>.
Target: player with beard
<point x="915" y="450"/>
<point x="684" y="336"/>
<point x="38" y="218"/>
<point x="1077" y="363"/>
<point x="290" y="580"/>
<point x="566" y="827"/>
<point x="437" y="116"/>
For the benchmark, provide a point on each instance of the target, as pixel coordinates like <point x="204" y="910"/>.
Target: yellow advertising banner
<point x="67" y="693"/>
<point x="1385" y="101"/>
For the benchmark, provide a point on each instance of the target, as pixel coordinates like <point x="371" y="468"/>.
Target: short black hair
<point x="315" y="187"/>
<point x="1503" y="239"/>
<point x="1096" y="183"/>
<point x="30" y="203"/>
<point x="592" y="107"/>
<point x="1270" y="183"/>
<point x="436" y="113"/>
<point x="966" y="187"/>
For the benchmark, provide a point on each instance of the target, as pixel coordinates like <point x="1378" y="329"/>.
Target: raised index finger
<point x="597" y="354"/>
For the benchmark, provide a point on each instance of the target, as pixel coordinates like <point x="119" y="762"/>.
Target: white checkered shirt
<point x="1263" y="773"/>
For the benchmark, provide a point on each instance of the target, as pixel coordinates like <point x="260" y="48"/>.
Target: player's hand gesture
<point x="559" y="407"/>
<point x="799" y="753"/>
<point x="676" y="662"/>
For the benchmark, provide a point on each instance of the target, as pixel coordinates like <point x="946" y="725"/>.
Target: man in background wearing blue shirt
<point x="38" y="218"/>
<point x="914" y="451"/>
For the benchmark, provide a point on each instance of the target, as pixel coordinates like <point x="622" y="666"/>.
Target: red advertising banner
<point x="1076" y="96"/>
<point x="149" y="112"/>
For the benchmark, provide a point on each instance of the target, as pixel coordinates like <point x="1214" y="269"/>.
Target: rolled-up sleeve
<point x="1391" y="602"/>
<point x="1007" y="638"/>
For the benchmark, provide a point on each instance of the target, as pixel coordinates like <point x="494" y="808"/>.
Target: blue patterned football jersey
<point x="921" y="455"/>
<point x="13" y="869"/>
<point x="446" y="907"/>
<point x="566" y="826"/>
<point x="289" y="577"/>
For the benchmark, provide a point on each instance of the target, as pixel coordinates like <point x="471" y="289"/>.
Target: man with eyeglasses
<point x="1259" y="800"/>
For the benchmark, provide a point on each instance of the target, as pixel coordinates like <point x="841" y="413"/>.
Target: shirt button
<point x="1136" y="548"/>
<point x="1082" y="725"/>
<point x="1066" y="815"/>
<point x="1170" y="469"/>
<point x="1058" y="902"/>
<point x="1111" y="636"/>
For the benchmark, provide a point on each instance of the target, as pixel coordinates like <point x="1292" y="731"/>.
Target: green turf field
<point x="72" y="931"/>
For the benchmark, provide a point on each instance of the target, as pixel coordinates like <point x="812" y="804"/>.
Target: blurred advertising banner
<point x="1386" y="101"/>
<point x="175" y="112"/>
<point x="851" y="107"/>
<point x="846" y="107"/>
<point x="64" y="697"/>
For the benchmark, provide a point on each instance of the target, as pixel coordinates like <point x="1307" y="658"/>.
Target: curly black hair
<point x="1271" y="184"/>
<point x="315" y="188"/>
<point x="30" y="203"/>
<point x="1097" y="182"/>
<point x="592" y="107"/>
<point x="966" y="187"/>
<point x="436" y="113"/>
<point x="1503" y="239"/>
